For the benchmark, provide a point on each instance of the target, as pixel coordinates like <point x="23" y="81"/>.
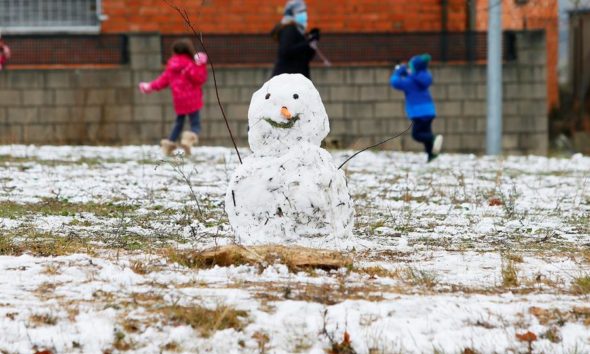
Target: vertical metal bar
<point x="40" y="13"/>
<point x="494" y="102"/>
<point x="19" y="9"/>
<point x="98" y="11"/>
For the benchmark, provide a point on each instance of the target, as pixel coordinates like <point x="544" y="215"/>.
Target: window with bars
<point x="43" y="16"/>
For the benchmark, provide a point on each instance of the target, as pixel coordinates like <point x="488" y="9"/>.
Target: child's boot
<point x="437" y="144"/>
<point x="436" y="147"/>
<point x="188" y="140"/>
<point x="167" y="146"/>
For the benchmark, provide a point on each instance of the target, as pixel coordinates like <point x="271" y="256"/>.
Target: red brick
<point x="255" y="16"/>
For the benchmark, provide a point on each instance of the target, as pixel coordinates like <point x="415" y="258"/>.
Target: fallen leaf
<point x="495" y="202"/>
<point x="526" y="337"/>
<point x="346" y="339"/>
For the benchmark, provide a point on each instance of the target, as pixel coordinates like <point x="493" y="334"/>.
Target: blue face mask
<point x="301" y="18"/>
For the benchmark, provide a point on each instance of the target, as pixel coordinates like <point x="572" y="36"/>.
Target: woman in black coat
<point x="296" y="49"/>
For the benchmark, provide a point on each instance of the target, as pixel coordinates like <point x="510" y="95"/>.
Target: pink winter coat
<point x="4" y="54"/>
<point x="185" y="79"/>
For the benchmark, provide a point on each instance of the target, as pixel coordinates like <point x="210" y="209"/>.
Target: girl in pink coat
<point x="4" y="54"/>
<point x="185" y="74"/>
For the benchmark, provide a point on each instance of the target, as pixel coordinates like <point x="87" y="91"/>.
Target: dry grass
<point x="146" y="298"/>
<point x="418" y="277"/>
<point x="556" y="317"/>
<point x="73" y="311"/>
<point x="509" y="274"/>
<point x="51" y="269"/>
<point x="121" y="343"/>
<point x="131" y="325"/>
<point x="581" y="285"/>
<point x="378" y="272"/>
<point x="9" y="248"/>
<point x="207" y="259"/>
<point x="172" y="347"/>
<point x="295" y="258"/>
<point x="45" y="319"/>
<point x="42" y="244"/>
<point x="56" y="206"/>
<point x="327" y="294"/>
<point x="46" y="291"/>
<point x="262" y="340"/>
<point x="516" y="258"/>
<point x="205" y="320"/>
<point x="140" y="267"/>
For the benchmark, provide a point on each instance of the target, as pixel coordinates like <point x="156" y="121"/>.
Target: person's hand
<point x="145" y="87"/>
<point x="314" y="34"/>
<point x="201" y="58"/>
<point x="401" y="68"/>
<point x="314" y="44"/>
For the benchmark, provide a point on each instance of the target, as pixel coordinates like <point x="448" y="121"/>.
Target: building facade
<point x="257" y="18"/>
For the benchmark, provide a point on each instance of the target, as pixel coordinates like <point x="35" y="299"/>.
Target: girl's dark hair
<point x="184" y="47"/>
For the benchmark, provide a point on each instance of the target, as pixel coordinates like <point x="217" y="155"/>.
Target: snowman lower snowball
<point x="289" y="188"/>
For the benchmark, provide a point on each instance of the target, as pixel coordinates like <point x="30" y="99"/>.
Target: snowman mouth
<point x="285" y="125"/>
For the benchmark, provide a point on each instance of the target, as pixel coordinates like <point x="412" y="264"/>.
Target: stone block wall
<point x="103" y="106"/>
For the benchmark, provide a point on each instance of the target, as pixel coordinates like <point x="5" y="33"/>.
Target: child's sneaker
<point x="432" y="157"/>
<point x="187" y="141"/>
<point x="167" y="146"/>
<point x="437" y="144"/>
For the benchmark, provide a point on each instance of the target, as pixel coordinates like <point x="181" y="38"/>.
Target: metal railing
<point x="354" y="47"/>
<point x="68" y="49"/>
<point x="76" y="49"/>
<point x="27" y="16"/>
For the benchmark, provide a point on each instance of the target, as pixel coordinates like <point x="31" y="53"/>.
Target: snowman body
<point x="289" y="188"/>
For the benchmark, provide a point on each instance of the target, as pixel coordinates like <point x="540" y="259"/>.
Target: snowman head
<point x="284" y="113"/>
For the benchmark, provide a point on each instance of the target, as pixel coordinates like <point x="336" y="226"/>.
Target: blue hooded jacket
<point x="419" y="103"/>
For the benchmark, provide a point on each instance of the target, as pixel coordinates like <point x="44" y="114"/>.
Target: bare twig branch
<point x="375" y="145"/>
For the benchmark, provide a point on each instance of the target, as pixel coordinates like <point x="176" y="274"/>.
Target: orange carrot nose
<point x="285" y="113"/>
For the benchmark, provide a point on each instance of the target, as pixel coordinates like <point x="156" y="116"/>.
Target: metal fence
<point x="68" y="49"/>
<point x="25" y="16"/>
<point x="354" y="47"/>
<point x="72" y="49"/>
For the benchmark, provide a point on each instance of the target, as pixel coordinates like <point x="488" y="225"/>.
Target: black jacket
<point x="294" y="53"/>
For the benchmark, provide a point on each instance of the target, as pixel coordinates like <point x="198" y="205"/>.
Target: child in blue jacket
<point x="414" y="81"/>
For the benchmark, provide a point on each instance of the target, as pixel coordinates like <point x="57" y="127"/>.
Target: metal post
<point x="494" y="103"/>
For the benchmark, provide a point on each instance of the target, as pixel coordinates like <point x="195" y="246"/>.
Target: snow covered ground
<point x="464" y="255"/>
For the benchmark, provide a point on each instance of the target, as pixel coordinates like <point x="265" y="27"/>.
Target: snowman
<point x="289" y="188"/>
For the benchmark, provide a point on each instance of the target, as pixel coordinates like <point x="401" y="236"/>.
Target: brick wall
<point x="88" y="106"/>
<point x="254" y="16"/>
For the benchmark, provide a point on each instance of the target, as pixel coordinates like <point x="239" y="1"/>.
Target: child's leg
<point x="195" y="119"/>
<point x="189" y="139"/>
<point x="422" y="132"/>
<point x="177" y="129"/>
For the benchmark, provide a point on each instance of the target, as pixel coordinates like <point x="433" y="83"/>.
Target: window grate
<point x="29" y="15"/>
<point x="353" y="47"/>
<point x="68" y="49"/>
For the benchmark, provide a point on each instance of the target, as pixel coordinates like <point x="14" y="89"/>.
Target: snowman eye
<point x="267" y="96"/>
<point x="295" y="96"/>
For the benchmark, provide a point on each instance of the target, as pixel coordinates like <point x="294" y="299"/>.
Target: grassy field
<point x="106" y="250"/>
